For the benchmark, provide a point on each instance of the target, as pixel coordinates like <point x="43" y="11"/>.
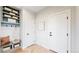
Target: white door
<point x="57" y="27"/>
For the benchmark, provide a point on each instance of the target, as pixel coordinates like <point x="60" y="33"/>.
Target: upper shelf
<point x="7" y="8"/>
<point x="10" y="12"/>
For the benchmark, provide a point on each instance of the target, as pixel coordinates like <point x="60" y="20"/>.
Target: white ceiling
<point x="34" y="9"/>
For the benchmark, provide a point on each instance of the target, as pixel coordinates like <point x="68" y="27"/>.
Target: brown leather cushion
<point x="5" y="40"/>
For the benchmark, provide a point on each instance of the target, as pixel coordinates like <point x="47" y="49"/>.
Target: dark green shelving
<point x="10" y="13"/>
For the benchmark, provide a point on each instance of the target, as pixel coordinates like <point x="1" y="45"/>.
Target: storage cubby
<point x="11" y="16"/>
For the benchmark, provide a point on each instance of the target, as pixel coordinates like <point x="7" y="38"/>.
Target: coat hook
<point x="11" y="25"/>
<point x="6" y="25"/>
<point x="15" y="25"/>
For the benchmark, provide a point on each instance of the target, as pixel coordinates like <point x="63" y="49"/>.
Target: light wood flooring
<point x="34" y="49"/>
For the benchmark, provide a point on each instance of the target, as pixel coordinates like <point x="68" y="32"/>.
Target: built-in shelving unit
<point x="11" y="17"/>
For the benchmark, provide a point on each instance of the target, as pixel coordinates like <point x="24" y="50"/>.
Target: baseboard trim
<point x="28" y="45"/>
<point x="53" y="51"/>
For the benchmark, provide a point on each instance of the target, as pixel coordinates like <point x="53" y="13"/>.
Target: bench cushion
<point x="5" y="40"/>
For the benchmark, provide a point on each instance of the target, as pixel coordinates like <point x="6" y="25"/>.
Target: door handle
<point x="50" y="34"/>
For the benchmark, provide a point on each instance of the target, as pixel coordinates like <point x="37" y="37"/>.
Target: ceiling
<point x="34" y="9"/>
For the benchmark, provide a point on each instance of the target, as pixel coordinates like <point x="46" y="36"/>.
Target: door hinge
<point x="67" y="51"/>
<point x="67" y="17"/>
<point x="67" y="34"/>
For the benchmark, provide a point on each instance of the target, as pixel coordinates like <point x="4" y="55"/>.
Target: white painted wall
<point x="0" y="25"/>
<point x="0" y="18"/>
<point x="73" y="30"/>
<point x="77" y="30"/>
<point x="27" y="26"/>
<point x="45" y="14"/>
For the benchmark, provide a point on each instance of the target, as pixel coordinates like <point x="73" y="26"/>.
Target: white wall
<point x="0" y="19"/>
<point x="0" y="25"/>
<point x="77" y="29"/>
<point x="27" y="27"/>
<point x="73" y="30"/>
<point x="43" y="15"/>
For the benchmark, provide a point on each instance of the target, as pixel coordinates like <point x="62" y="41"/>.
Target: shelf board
<point x="9" y="24"/>
<point x="10" y="18"/>
<point x="10" y="14"/>
<point x="10" y="8"/>
<point x="3" y="22"/>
